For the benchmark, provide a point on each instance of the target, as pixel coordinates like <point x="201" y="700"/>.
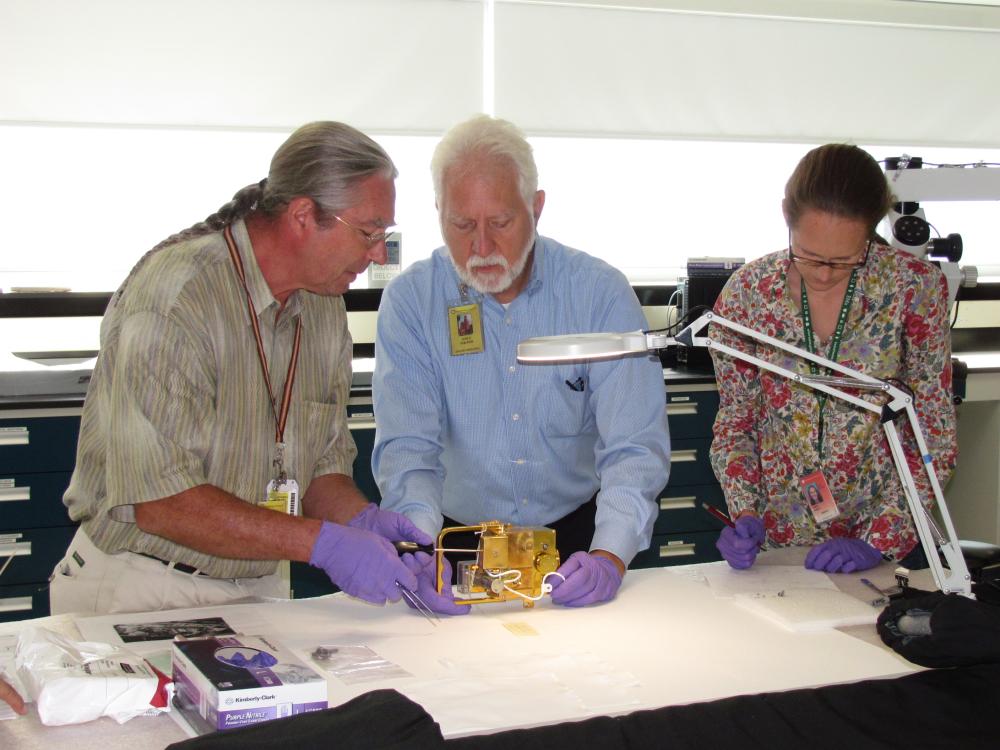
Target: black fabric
<point x="963" y="631"/>
<point x="379" y="720"/>
<point x="947" y="708"/>
<point x="955" y="709"/>
<point x="574" y="532"/>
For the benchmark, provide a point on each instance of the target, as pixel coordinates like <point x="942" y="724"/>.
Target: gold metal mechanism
<point x="510" y="563"/>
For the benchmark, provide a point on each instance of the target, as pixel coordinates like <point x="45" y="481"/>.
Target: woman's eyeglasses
<point x="836" y="265"/>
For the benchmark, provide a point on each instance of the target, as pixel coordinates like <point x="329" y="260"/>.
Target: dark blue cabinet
<point x="37" y="453"/>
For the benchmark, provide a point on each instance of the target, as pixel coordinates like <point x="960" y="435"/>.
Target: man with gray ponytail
<point x="221" y="389"/>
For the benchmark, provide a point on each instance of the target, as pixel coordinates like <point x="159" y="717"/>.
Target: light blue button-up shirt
<point x="481" y="436"/>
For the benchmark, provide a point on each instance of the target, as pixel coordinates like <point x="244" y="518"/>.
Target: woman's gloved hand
<point x="739" y="545"/>
<point x="424" y="568"/>
<point x="361" y="563"/>
<point x="393" y="526"/>
<point x="843" y="555"/>
<point x="589" y="579"/>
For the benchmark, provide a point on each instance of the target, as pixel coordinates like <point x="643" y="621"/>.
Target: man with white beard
<point x="465" y="433"/>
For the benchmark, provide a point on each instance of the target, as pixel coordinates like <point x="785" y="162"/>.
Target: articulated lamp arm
<point x="954" y="579"/>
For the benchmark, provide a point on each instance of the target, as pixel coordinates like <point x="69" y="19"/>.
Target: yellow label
<point x="520" y="629"/>
<point x="465" y="329"/>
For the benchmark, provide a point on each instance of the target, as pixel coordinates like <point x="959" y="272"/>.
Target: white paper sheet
<point x="809" y="610"/>
<point x="597" y="685"/>
<point x="727" y="582"/>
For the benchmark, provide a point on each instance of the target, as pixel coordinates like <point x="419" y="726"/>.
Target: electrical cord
<point x="693" y="314"/>
<point x="546" y="587"/>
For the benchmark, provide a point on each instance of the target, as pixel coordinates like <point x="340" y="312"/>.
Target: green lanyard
<point x="838" y="335"/>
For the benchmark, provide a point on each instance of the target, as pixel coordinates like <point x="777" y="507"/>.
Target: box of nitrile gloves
<point x="226" y="682"/>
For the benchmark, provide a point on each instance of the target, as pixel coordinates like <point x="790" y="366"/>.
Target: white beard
<point x="494" y="283"/>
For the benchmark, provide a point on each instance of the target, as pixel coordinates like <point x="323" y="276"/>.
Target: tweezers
<point x="419" y="604"/>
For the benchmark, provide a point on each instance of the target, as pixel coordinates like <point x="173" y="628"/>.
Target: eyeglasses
<point x="372" y="238"/>
<point x="835" y="265"/>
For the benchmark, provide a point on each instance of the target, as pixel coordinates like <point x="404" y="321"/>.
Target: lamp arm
<point x="956" y="578"/>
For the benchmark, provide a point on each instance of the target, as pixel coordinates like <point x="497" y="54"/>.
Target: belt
<point x="178" y="566"/>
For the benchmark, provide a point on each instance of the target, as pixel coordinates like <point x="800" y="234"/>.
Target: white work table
<point x="665" y="640"/>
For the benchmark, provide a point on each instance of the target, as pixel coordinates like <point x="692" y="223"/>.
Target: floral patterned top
<point x="766" y="431"/>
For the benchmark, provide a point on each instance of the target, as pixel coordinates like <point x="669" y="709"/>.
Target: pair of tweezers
<point x="419" y="604"/>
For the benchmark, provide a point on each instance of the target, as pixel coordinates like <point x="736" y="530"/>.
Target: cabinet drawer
<point x="690" y="462"/>
<point x="681" y="511"/>
<point x="679" y="549"/>
<point x="35" y="553"/>
<point x="38" y="444"/>
<point x="24" y="602"/>
<point x="32" y="500"/>
<point x="691" y="414"/>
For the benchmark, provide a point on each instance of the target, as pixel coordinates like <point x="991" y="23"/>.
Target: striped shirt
<point x="178" y="399"/>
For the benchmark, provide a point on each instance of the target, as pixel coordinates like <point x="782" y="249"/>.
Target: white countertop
<point x="665" y="640"/>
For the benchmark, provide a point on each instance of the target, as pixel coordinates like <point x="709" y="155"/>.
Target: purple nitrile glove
<point x="740" y="544"/>
<point x="424" y="568"/>
<point x="361" y="563"/>
<point x="393" y="526"/>
<point x="590" y="579"/>
<point x="843" y="555"/>
<point x="257" y="661"/>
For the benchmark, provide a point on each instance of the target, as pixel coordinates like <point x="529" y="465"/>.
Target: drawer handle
<point x="361" y="423"/>
<point x="683" y="456"/>
<point x="12" y="494"/>
<point x="677" y="503"/>
<point x="684" y="549"/>
<point x="15" y="549"/>
<point x="682" y="409"/>
<point x="14" y="436"/>
<point x="15" y="604"/>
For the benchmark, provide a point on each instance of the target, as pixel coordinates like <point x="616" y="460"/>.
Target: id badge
<point x="465" y="328"/>
<point x="282" y="495"/>
<point x="818" y="497"/>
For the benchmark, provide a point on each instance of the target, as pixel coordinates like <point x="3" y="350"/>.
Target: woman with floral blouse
<point x="837" y="291"/>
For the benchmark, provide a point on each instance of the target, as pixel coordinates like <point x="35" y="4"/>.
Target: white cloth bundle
<point x="73" y="681"/>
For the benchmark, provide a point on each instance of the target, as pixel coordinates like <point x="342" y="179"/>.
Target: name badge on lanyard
<point x="465" y="327"/>
<point x="281" y="493"/>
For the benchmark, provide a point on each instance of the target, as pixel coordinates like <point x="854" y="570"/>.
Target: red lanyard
<point x="280" y="415"/>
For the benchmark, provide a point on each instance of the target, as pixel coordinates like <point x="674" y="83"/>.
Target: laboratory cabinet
<point x="684" y="532"/>
<point x="37" y="453"/>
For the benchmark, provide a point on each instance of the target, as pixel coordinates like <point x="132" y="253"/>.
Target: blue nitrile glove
<point x="257" y="661"/>
<point x="393" y="526"/>
<point x="361" y="563"/>
<point x="424" y="568"/>
<point x="740" y="544"/>
<point x="843" y="555"/>
<point x="590" y="579"/>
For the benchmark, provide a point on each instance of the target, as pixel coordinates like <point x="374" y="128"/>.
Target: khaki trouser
<point x="89" y="581"/>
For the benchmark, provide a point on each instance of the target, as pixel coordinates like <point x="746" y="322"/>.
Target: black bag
<point x="962" y="631"/>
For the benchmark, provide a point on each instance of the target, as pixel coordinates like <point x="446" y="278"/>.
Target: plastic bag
<point x="73" y="681"/>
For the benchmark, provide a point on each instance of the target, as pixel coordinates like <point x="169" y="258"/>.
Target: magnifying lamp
<point x="896" y="403"/>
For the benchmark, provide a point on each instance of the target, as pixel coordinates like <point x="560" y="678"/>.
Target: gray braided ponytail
<point x="323" y="161"/>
